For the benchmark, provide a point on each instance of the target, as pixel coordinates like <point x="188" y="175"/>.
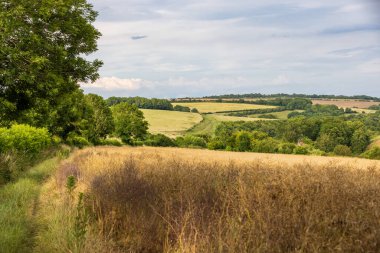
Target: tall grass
<point x="157" y="203"/>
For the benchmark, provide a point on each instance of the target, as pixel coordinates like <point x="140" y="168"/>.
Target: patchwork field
<point x="346" y="103"/>
<point x="170" y="123"/>
<point x="184" y="200"/>
<point x="208" y="107"/>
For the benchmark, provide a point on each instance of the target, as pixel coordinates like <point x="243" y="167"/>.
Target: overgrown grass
<point x="18" y="205"/>
<point x="164" y="203"/>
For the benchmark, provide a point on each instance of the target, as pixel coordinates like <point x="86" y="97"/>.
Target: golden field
<point x="345" y="103"/>
<point x="170" y="123"/>
<point x="208" y="107"/>
<point x="185" y="200"/>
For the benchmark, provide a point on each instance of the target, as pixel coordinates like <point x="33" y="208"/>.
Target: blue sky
<point x="177" y="48"/>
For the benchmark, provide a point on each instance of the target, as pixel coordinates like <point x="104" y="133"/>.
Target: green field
<point x="208" y="107"/>
<point x="170" y="123"/>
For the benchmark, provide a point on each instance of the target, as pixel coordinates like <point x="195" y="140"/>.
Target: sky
<point x="193" y="48"/>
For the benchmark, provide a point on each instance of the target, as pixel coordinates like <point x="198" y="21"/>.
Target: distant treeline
<point x="146" y="103"/>
<point x="143" y="103"/>
<point x="294" y="95"/>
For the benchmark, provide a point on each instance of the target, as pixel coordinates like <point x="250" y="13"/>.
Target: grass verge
<point x="18" y="205"/>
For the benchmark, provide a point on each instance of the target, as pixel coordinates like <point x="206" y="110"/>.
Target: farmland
<point x="170" y="123"/>
<point x="211" y="107"/>
<point x="186" y="200"/>
<point x="346" y="103"/>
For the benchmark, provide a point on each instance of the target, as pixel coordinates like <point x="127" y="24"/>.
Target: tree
<point x="360" y="140"/>
<point x="42" y="44"/>
<point x="243" y="141"/>
<point x="129" y="122"/>
<point x="100" y="118"/>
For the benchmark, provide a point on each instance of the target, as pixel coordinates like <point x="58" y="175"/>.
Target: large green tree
<point x="42" y="49"/>
<point x="100" y="120"/>
<point x="129" y="122"/>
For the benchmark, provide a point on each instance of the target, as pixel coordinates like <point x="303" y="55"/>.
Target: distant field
<point x="170" y="123"/>
<point x="205" y="107"/>
<point x="346" y="103"/>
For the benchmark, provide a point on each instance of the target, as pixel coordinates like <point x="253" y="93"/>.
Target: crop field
<point x="208" y="107"/>
<point x="346" y="103"/>
<point x="170" y="123"/>
<point x="185" y="200"/>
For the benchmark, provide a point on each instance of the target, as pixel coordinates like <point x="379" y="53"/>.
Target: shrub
<point x="216" y="144"/>
<point x="267" y="116"/>
<point x="286" y="148"/>
<point x="301" y="150"/>
<point x="373" y="153"/>
<point x="243" y="141"/>
<point x="112" y="142"/>
<point x="25" y="139"/>
<point x="77" y="141"/>
<point x="191" y="141"/>
<point x="181" y="108"/>
<point x="342" y="150"/>
<point x="159" y="140"/>
<point x="194" y="110"/>
<point x="268" y="145"/>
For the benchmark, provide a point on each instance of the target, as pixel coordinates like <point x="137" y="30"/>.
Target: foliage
<point x="301" y="150"/>
<point x="129" y="122"/>
<point x="286" y="148"/>
<point x="373" y="153"/>
<point x="194" y="110"/>
<point x="360" y="140"/>
<point x="159" y="140"/>
<point x="142" y="103"/>
<point x="99" y="118"/>
<point x="24" y="138"/>
<point x="191" y="141"/>
<point x="342" y="150"/>
<point x="243" y="141"/>
<point x="181" y="108"/>
<point x="267" y="116"/>
<point x="77" y="141"/>
<point x="111" y="142"/>
<point x="42" y="46"/>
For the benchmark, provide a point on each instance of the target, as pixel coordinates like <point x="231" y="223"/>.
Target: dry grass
<point x="207" y="107"/>
<point x="170" y="123"/>
<point x="180" y="200"/>
<point x="345" y="103"/>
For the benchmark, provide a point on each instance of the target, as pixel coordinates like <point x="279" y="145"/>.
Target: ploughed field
<point x="147" y="199"/>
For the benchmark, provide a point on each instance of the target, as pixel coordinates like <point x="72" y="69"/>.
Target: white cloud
<point x="114" y="83"/>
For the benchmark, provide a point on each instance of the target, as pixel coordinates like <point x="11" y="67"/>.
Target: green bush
<point x="216" y="144"/>
<point x="112" y="142"/>
<point x="243" y="141"/>
<point x="25" y="139"/>
<point x="286" y="148"/>
<point x="373" y="153"/>
<point x="268" y="145"/>
<point x="301" y="150"/>
<point x="191" y="141"/>
<point x="159" y="140"/>
<point x="77" y="141"/>
<point x="342" y="150"/>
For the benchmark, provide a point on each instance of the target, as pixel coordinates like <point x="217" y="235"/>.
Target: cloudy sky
<point x="177" y="48"/>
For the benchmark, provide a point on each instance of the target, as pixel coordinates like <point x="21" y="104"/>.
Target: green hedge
<point x="24" y="138"/>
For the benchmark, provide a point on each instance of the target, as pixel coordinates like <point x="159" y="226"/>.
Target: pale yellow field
<point x="210" y="156"/>
<point x="205" y="107"/>
<point x="345" y="103"/>
<point x="170" y="123"/>
<point x="220" y="117"/>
